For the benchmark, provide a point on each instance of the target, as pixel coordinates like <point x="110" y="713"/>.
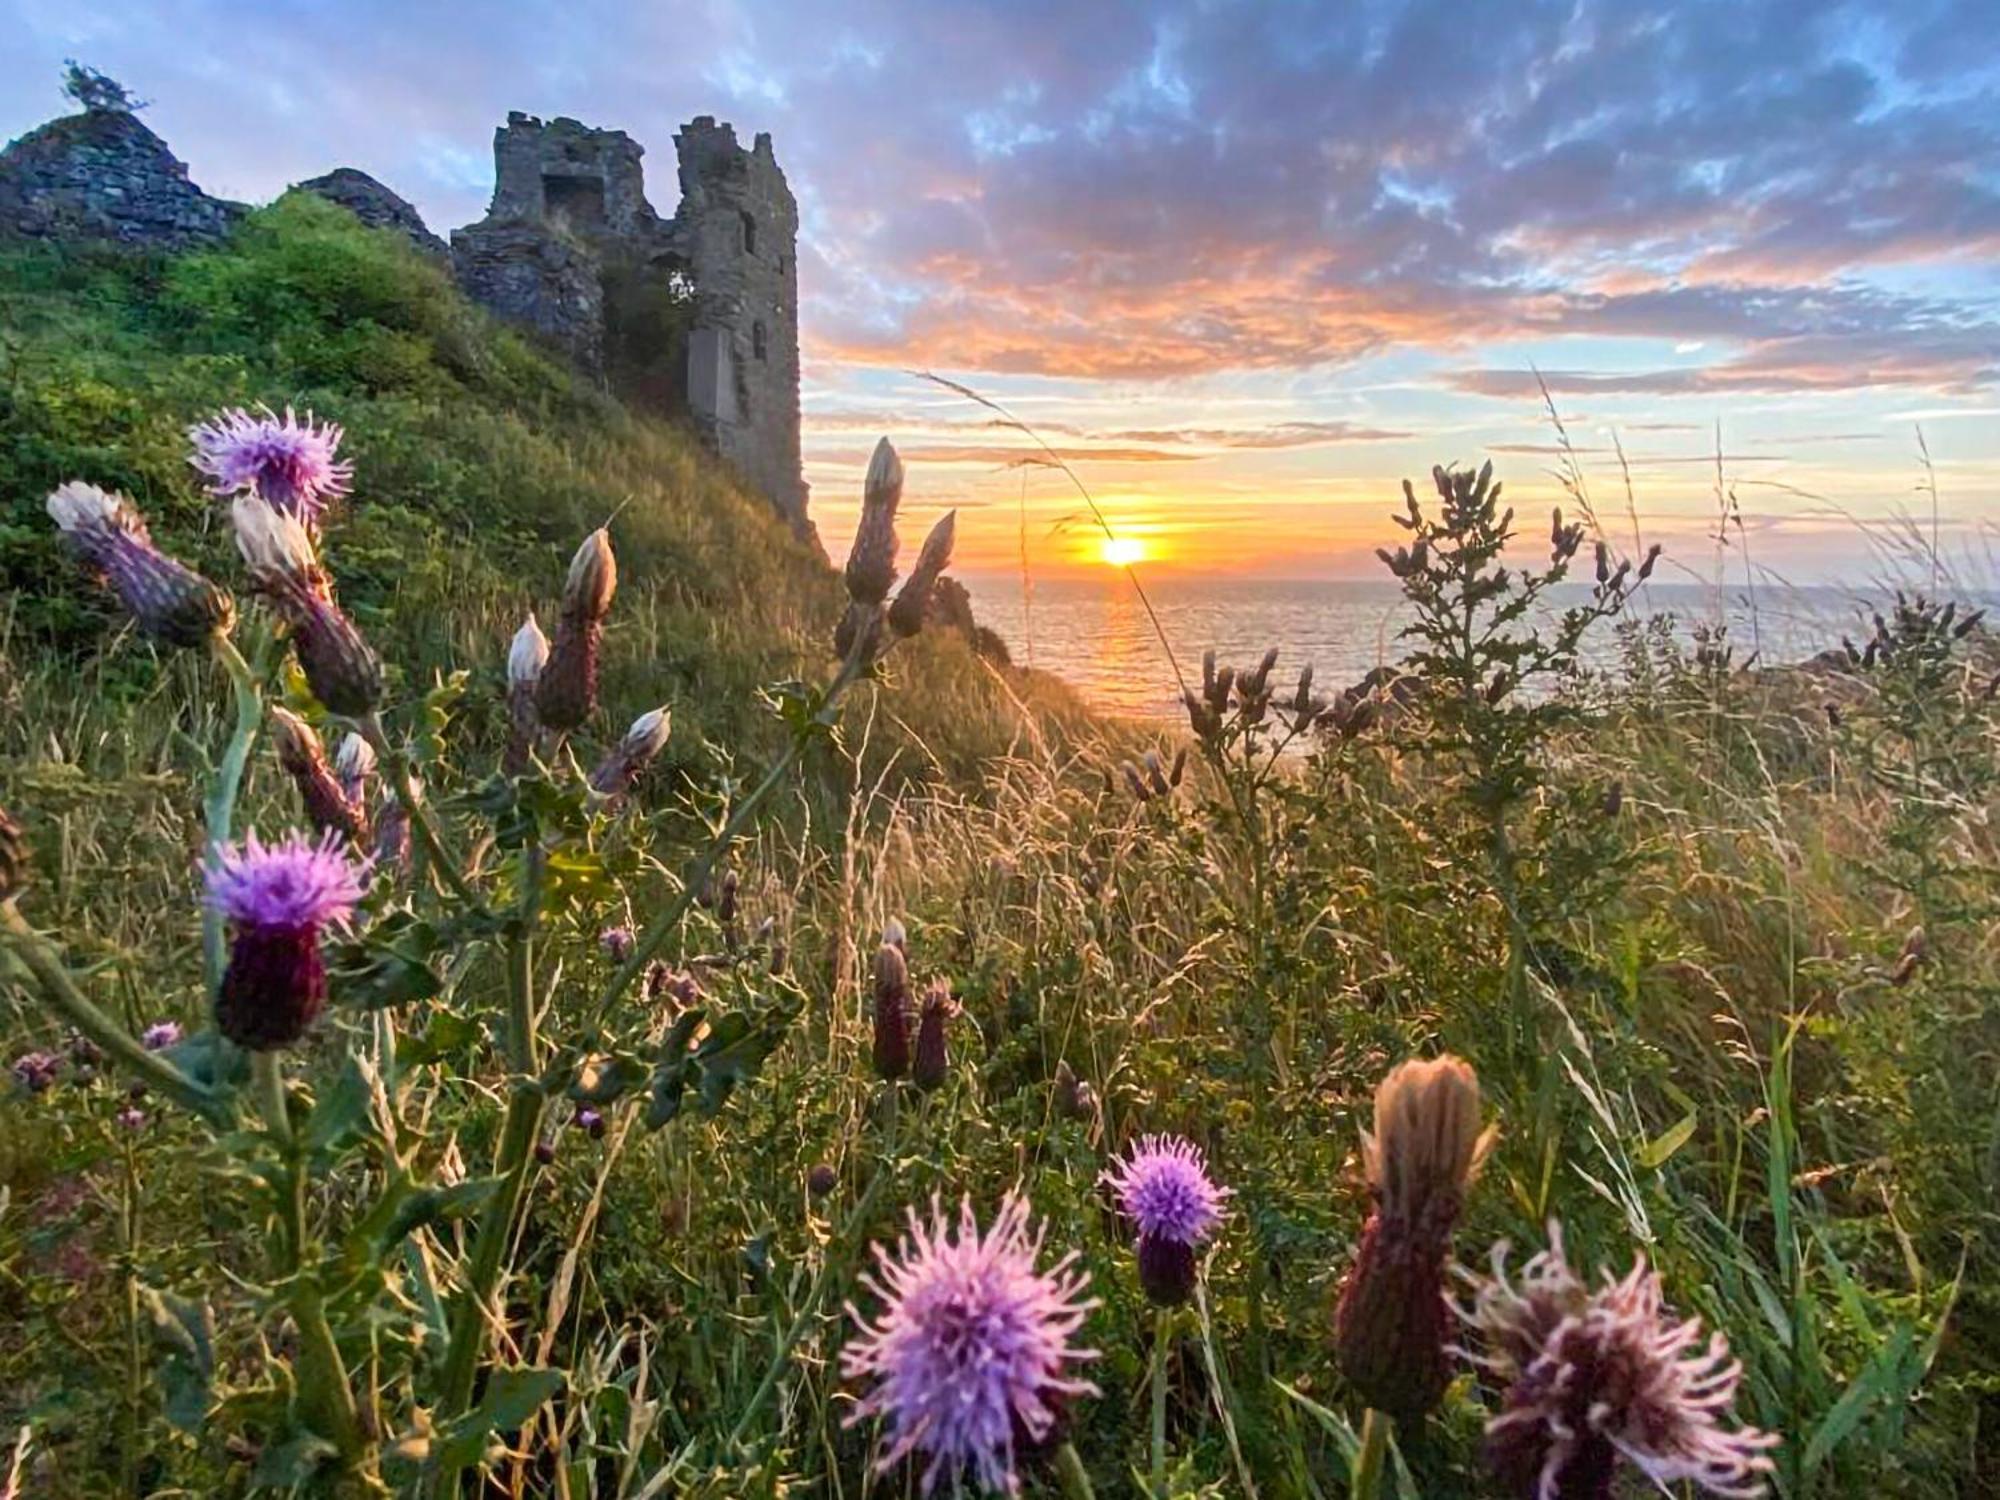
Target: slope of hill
<point x="480" y="461"/>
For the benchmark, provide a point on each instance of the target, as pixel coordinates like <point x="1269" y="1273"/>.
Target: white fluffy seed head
<point x="270" y="540"/>
<point x="76" y="505"/>
<point x="647" y="735"/>
<point x="528" y="655"/>
<point x="355" y="760"/>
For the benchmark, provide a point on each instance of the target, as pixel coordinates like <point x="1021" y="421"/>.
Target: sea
<point x="1098" y="636"/>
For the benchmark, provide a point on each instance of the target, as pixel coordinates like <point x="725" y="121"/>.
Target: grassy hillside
<point x="523" y="1214"/>
<point x="480" y="463"/>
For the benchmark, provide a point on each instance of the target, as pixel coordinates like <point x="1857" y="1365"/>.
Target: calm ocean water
<point x="1096" y="635"/>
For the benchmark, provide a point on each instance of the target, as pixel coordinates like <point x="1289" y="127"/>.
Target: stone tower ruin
<point x="696" y="315"/>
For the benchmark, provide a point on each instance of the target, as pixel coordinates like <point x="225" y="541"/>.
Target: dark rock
<point x="376" y="206"/>
<point x="104" y="175"/>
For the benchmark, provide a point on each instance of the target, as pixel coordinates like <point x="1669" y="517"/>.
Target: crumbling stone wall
<point x="376" y="206"/>
<point x="569" y="243"/>
<point x="104" y="175"/>
<point x="570" y="220"/>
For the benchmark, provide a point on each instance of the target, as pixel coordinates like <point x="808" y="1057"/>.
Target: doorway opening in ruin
<point x="648" y="310"/>
<point x="575" y="201"/>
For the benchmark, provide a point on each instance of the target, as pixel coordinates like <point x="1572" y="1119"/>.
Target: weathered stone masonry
<point x="568" y="242"/>
<point x="570" y="212"/>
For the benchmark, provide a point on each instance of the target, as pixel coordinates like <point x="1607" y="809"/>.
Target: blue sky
<point x="1250" y="264"/>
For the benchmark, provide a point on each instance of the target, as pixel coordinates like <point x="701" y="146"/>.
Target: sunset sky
<point x="1248" y="265"/>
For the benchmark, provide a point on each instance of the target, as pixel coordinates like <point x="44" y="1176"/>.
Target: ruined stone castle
<point x="695" y="315"/>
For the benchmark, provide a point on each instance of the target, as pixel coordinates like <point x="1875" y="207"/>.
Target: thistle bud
<point x="642" y="743"/>
<point x="1156" y="776"/>
<point x="354" y="765"/>
<point x="913" y="599"/>
<point x="13" y="858"/>
<point x="1603" y="563"/>
<point x="1393" y="1321"/>
<point x="892" y="1010"/>
<point x="821" y="1180"/>
<point x="392" y="831"/>
<point x="1074" y="1099"/>
<point x="871" y="563"/>
<point x="566" y="685"/>
<point x="1646" y="566"/>
<point x="327" y="805"/>
<point x="167" y="600"/>
<point x="1134" y="782"/>
<point x="342" y="670"/>
<point x="932" y="1066"/>
<point x="526" y="656"/>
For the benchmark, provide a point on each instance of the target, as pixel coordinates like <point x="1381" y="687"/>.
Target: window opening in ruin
<point x="749" y="233"/>
<point x="757" y="340"/>
<point x="577" y="200"/>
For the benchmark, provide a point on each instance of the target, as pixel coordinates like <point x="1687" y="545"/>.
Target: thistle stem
<point x="414" y="807"/>
<point x="1069" y="1469"/>
<point x="1162" y="1336"/>
<point x="1365" y="1477"/>
<point x="324" y="1389"/>
<point x="219" y="814"/>
<point x="696" y="878"/>
<point x="39" y="955"/>
<point x="514" y="1158"/>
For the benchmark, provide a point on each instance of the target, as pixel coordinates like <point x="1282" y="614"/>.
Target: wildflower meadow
<point x="443" y="1062"/>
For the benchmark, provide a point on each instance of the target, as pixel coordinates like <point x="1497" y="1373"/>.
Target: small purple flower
<point x="590" y="1122"/>
<point x="37" y="1071"/>
<point x="288" y="462"/>
<point x="617" y="943"/>
<point x="160" y="1036"/>
<point x="278" y="897"/>
<point x="131" y="1117"/>
<point x="1163" y="1187"/>
<point x="970" y="1355"/>
<point x="1596" y="1379"/>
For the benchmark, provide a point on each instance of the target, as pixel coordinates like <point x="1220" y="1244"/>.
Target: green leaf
<point x="1660" y="1149"/>
<point x="185" y="1332"/>
<point x="291" y="1463"/>
<point x="1878" y="1378"/>
<point x="512" y="1396"/>
<point x="341" y="1113"/>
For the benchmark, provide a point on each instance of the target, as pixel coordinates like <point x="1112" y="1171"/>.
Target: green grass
<point x="1686" y="1001"/>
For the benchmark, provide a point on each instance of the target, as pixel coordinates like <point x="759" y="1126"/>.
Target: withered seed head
<point x="871" y="563"/>
<point x="1393" y="1324"/>
<point x="913" y="599"/>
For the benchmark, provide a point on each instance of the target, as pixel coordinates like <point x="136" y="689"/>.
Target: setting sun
<point x="1122" y="551"/>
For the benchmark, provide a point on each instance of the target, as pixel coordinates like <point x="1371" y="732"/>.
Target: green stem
<point x="1162" y="1336"/>
<point x="40" y="957"/>
<point x="1069" y="1469"/>
<point x="219" y="814"/>
<point x="414" y="807"/>
<point x="697" y="875"/>
<point x="1365" y="1478"/>
<point x="325" y="1393"/>
<point x="514" y="1159"/>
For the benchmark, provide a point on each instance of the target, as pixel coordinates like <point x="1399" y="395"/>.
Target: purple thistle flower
<point x="1595" y="1377"/>
<point x="617" y="943"/>
<point x="160" y="1036"/>
<point x="288" y="462"/>
<point x="37" y="1071"/>
<point x="1163" y="1187"/>
<point x="278" y="897"/>
<point x="590" y="1121"/>
<point x="970" y="1354"/>
<point x="167" y="600"/>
